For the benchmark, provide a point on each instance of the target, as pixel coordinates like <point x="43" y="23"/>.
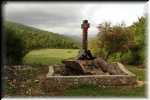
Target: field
<point x="54" y="56"/>
<point x="49" y="56"/>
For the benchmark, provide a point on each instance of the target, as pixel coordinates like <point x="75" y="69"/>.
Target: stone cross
<point x="84" y="53"/>
<point x="85" y="25"/>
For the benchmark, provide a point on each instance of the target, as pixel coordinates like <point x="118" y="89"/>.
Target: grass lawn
<point x="49" y="56"/>
<point x="54" y="56"/>
<point x="139" y="72"/>
<point x="90" y="90"/>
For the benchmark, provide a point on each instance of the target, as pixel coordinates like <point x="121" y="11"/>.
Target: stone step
<point x="51" y="71"/>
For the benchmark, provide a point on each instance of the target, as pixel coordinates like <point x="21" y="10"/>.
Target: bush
<point x="127" y="58"/>
<point x="139" y="30"/>
<point x="15" y="48"/>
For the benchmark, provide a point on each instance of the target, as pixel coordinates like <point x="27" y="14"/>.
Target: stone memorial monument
<point x="85" y="63"/>
<point x="86" y="69"/>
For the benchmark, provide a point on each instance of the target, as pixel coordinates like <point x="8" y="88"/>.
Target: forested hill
<point x="35" y="38"/>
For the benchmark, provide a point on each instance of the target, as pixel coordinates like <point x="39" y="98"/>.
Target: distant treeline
<point x="35" y="38"/>
<point x="22" y="38"/>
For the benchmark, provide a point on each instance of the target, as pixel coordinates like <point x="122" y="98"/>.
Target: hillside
<point x="35" y="38"/>
<point x="75" y="38"/>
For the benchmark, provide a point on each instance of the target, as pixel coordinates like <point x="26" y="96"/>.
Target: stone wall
<point x="99" y="80"/>
<point x="63" y="82"/>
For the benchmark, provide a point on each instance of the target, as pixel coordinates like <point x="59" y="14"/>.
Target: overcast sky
<point x="66" y="18"/>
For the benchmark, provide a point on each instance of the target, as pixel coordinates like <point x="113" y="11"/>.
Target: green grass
<point x="90" y="90"/>
<point x="139" y="72"/>
<point x="49" y="56"/>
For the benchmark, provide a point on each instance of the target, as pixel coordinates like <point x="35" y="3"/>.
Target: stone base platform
<point x="107" y="80"/>
<point x="63" y="82"/>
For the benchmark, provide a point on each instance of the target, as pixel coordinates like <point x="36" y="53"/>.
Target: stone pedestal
<point x="124" y="79"/>
<point x="97" y="66"/>
<point x="85" y="55"/>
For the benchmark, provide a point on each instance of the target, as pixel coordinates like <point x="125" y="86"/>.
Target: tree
<point x="138" y="51"/>
<point x="15" y="47"/>
<point x="114" y="38"/>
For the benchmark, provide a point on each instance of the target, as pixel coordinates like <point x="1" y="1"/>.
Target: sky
<point x="66" y="17"/>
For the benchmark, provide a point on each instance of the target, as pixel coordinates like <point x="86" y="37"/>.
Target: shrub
<point x="127" y="58"/>
<point x="15" y="48"/>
